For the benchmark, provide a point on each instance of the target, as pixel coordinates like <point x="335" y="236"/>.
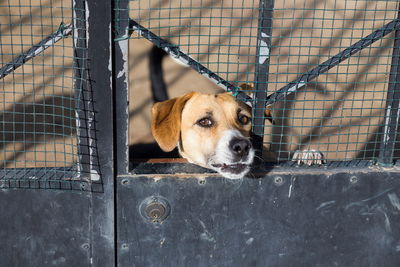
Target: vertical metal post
<point x="80" y="78"/>
<point x="392" y="107"/>
<point x="88" y="164"/>
<point x="262" y="70"/>
<point x="93" y="86"/>
<point x="121" y="85"/>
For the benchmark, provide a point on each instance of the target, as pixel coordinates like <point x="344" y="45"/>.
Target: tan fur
<point x="166" y="121"/>
<point x="224" y="109"/>
<point x="180" y="115"/>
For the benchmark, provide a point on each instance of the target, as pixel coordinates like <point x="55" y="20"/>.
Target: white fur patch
<point x="224" y="156"/>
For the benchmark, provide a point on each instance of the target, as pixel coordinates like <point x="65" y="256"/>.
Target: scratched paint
<point x="326" y="204"/>
<point x="394" y="200"/>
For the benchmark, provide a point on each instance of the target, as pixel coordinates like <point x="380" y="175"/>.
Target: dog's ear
<point x="166" y="121"/>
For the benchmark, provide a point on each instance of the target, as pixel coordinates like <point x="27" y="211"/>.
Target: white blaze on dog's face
<point x="210" y="130"/>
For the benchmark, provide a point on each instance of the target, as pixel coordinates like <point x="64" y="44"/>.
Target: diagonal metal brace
<point x="178" y="54"/>
<point x="333" y="61"/>
<point x="63" y="31"/>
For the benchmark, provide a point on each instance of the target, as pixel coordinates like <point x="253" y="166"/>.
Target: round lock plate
<point x="155" y="209"/>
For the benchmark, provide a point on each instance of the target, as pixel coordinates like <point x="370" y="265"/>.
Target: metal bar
<point x="392" y="115"/>
<point x="262" y="70"/>
<point x="81" y="87"/>
<point x="100" y="131"/>
<point x="121" y="83"/>
<point x="63" y="31"/>
<point x="178" y="54"/>
<point x="333" y="61"/>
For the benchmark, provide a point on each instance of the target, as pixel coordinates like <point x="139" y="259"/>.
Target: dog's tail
<point x="158" y="86"/>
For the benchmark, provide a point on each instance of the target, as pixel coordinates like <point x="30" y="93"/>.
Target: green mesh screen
<point x="340" y="112"/>
<point x="38" y="107"/>
<point x="219" y="34"/>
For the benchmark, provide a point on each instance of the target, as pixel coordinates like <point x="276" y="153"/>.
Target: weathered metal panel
<point x="44" y="228"/>
<point x="284" y="218"/>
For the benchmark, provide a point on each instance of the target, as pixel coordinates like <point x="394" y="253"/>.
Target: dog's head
<point x="210" y="130"/>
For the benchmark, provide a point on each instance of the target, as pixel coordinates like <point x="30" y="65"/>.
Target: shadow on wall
<point x="27" y="125"/>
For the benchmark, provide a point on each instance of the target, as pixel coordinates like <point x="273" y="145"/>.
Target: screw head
<point x="125" y="181"/>
<point x="278" y="180"/>
<point x="202" y="182"/>
<point x="353" y="179"/>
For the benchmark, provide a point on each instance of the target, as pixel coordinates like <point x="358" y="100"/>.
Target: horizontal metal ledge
<point x="67" y="178"/>
<point x="179" y="170"/>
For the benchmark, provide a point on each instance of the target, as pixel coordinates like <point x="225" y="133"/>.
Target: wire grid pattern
<point x="340" y="113"/>
<point x="218" y="34"/>
<point x="37" y="99"/>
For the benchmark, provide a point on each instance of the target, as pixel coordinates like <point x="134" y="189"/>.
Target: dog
<point x="210" y="130"/>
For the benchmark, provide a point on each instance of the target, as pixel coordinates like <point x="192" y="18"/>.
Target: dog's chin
<point x="231" y="171"/>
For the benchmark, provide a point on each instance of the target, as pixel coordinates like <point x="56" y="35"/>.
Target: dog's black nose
<point x="240" y="147"/>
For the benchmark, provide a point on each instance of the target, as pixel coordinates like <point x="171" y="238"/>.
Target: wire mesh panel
<point x="216" y="38"/>
<point x="340" y="112"/>
<point x="331" y="59"/>
<point x="43" y="97"/>
<point x="219" y="34"/>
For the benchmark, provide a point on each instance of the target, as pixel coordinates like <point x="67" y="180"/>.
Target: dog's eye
<point x="205" y="122"/>
<point x="243" y="119"/>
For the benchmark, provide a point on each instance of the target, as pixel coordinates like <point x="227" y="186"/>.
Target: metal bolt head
<point x="278" y="180"/>
<point x="353" y="179"/>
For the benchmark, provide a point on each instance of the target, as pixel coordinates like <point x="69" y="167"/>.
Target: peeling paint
<point x="87" y="19"/>
<point x="121" y="73"/>
<point x="264" y="35"/>
<point x="94" y="175"/>
<point x="264" y="49"/>
<point x="295" y="87"/>
<point x="386" y="135"/>
<point x="263" y="52"/>
<point x="249" y="241"/>
<point x="291" y="186"/>
<point x="206" y="235"/>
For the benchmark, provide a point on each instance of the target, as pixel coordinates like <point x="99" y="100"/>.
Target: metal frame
<point x="342" y="213"/>
<point x="262" y="70"/>
<point x="284" y="216"/>
<point x="390" y="131"/>
<point x="121" y="85"/>
<point x="67" y="227"/>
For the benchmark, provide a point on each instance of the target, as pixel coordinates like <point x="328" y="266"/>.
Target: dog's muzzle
<point x="234" y="155"/>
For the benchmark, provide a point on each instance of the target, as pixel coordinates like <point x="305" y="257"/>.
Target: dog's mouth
<point x="237" y="170"/>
